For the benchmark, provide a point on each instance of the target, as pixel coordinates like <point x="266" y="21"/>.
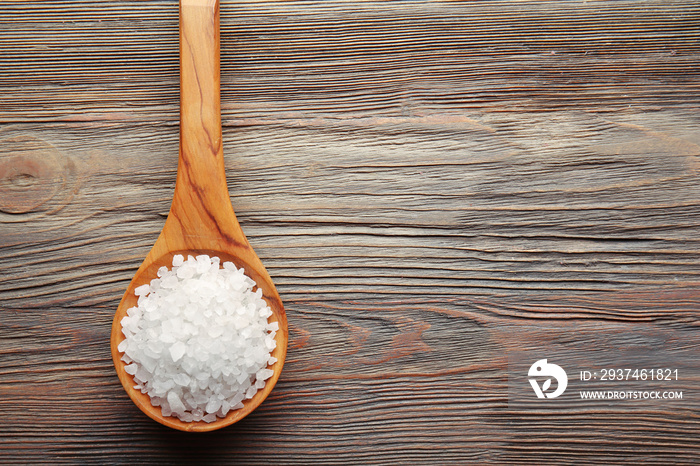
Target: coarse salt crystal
<point x="251" y="392"/>
<point x="199" y="340"/>
<point x="264" y="374"/>
<point x="142" y="290"/>
<point x="177" y="350"/>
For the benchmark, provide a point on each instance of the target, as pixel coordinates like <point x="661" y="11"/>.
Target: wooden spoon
<point x="201" y="218"/>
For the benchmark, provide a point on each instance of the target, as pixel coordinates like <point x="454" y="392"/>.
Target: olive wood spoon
<point x="201" y="218"/>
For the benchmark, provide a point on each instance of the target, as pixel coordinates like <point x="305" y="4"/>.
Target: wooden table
<point x="433" y="186"/>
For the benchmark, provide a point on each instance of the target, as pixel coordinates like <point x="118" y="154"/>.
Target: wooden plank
<point x="430" y="185"/>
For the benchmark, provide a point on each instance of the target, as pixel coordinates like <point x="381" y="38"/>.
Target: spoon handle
<point x="201" y="211"/>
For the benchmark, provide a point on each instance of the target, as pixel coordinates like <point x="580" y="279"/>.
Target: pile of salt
<point x="198" y="342"/>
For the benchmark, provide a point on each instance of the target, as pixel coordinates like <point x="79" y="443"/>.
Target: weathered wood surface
<point x="430" y="185"/>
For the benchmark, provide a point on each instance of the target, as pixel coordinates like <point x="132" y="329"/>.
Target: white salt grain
<point x="264" y="374"/>
<point x="175" y="403"/>
<point x="177" y="350"/>
<point x="273" y="326"/>
<point x="142" y="290"/>
<point x="251" y="392"/>
<point x="199" y="342"/>
<point x="122" y="346"/>
<point x="213" y="405"/>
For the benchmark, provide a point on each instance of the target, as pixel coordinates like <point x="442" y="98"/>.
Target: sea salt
<point x="198" y="342"/>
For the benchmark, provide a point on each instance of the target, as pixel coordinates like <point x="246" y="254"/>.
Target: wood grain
<point x="430" y="185"/>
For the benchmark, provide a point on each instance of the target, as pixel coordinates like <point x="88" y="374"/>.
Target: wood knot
<point x="32" y="174"/>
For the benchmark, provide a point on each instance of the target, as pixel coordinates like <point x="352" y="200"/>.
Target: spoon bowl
<point x="201" y="218"/>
